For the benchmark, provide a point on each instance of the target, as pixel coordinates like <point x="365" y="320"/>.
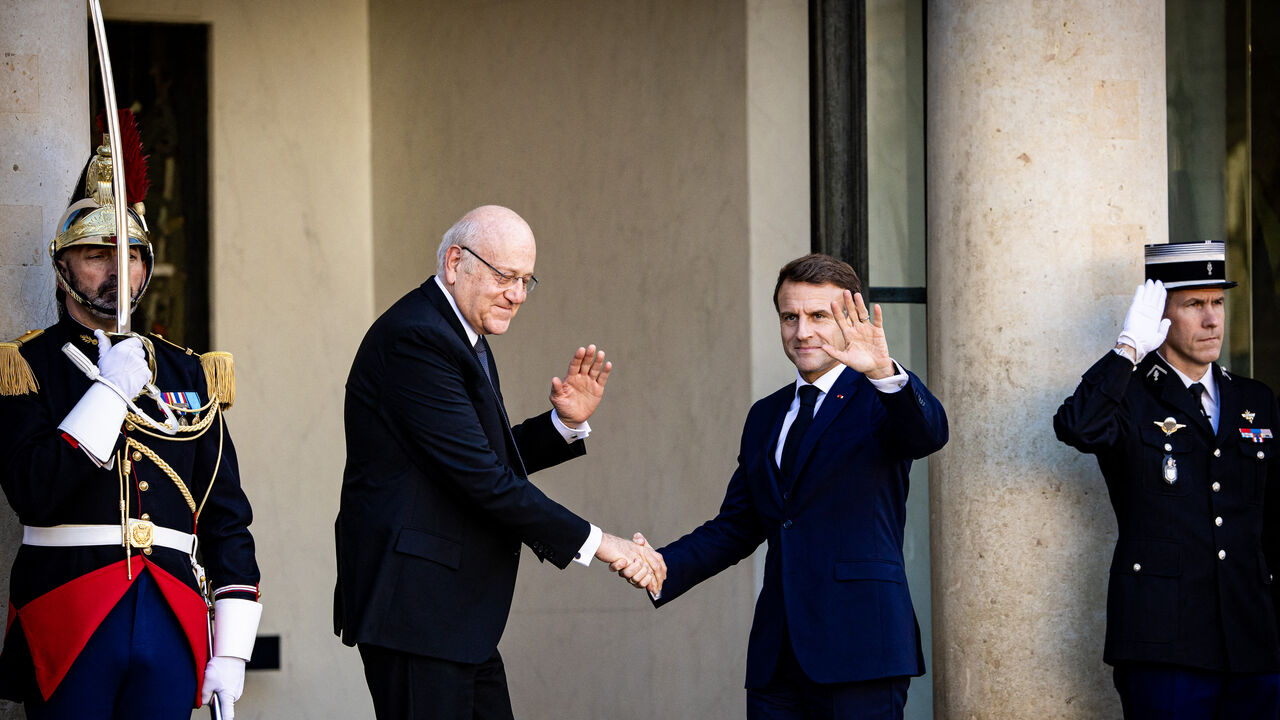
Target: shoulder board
<point x="171" y="343"/>
<point x="16" y="377"/>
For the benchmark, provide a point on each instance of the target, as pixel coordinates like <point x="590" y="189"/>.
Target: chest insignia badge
<point x="1169" y="426"/>
<point x="1169" y="469"/>
<point x="1248" y="416"/>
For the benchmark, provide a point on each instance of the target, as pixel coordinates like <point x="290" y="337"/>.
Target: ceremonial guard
<point x="1191" y="466"/>
<point x="134" y="594"/>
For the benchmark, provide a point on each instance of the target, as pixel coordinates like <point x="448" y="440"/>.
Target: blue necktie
<point x="804" y="418"/>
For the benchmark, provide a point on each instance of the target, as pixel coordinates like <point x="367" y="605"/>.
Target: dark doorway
<point x="162" y="73"/>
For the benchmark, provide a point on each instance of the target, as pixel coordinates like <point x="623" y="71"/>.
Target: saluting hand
<point x="576" y="397"/>
<point x="860" y="341"/>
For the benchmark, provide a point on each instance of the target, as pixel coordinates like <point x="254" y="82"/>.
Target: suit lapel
<point x="1174" y="394"/>
<point x="845" y="388"/>
<point x="778" y="412"/>
<point x="437" y="299"/>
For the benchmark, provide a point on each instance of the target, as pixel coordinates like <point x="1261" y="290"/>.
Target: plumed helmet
<point x="92" y="219"/>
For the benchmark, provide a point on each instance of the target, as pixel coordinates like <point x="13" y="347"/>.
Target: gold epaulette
<point x="16" y="377"/>
<point x="220" y="375"/>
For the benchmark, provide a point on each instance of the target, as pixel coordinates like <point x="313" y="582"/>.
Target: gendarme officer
<point x="1189" y="456"/>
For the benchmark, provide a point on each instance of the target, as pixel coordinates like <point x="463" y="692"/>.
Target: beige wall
<point x="292" y="295"/>
<point x="623" y="133"/>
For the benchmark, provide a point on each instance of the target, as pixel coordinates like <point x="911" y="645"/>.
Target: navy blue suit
<point x="834" y="574"/>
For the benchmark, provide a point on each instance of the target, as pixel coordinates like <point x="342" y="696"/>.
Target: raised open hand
<point x="578" y="395"/>
<point x="860" y="337"/>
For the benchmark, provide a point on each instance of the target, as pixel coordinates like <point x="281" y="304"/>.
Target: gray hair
<point x="465" y="232"/>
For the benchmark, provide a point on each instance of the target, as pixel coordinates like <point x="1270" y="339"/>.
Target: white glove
<point x="124" y="364"/>
<point x="224" y="677"/>
<point x="1144" y="330"/>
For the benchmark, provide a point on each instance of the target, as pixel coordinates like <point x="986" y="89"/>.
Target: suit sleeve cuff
<point x="95" y="422"/>
<point x="235" y="627"/>
<point x="588" y="549"/>
<point x="893" y="383"/>
<point x="570" y="435"/>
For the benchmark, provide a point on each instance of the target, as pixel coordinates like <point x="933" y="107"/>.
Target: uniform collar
<point x="1208" y="381"/>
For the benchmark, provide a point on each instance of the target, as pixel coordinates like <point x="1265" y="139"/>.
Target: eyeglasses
<point x="506" y="280"/>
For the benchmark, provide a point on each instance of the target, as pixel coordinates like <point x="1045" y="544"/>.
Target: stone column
<point x="1046" y="174"/>
<point x="44" y="143"/>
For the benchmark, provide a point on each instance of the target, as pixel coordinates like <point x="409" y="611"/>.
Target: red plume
<point x="135" y="163"/>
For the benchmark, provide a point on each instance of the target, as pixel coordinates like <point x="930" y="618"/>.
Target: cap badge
<point x="1169" y="425"/>
<point x="1208" y="269"/>
<point x="1248" y="416"/>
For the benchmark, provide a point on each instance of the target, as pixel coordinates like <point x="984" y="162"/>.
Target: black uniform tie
<point x="808" y="397"/>
<point x="482" y="353"/>
<point x="1197" y="391"/>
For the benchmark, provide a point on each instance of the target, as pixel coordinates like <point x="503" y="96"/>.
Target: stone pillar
<point x="44" y="143"/>
<point x="1046" y="174"/>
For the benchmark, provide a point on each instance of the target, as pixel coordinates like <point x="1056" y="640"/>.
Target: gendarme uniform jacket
<point x="49" y="481"/>
<point x="1191" y="581"/>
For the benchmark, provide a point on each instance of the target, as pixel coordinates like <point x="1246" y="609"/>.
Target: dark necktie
<point x="1197" y="392"/>
<point x="482" y="353"/>
<point x="808" y="397"/>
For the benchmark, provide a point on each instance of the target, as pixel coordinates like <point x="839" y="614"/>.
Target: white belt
<point x="142" y="534"/>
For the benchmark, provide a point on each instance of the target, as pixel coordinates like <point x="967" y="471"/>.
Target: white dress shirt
<point x="1209" y="398"/>
<point x="891" y="384"/>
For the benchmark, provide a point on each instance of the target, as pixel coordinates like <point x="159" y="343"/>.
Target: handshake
<point x="634" y="561"/>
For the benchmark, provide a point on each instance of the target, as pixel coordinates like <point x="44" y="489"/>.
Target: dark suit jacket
<point x="834" y="575"/>
<point x="1171" y="599"/>
<point x="435" y="495"/>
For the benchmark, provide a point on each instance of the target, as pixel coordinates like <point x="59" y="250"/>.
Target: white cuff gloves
<point x="1144" y="329"/>
<point x="224" y="677"/>
<point x="95" y="420"/>
<point x="235" y="626"/>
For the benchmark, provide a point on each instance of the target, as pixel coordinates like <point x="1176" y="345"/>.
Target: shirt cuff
<point x="893" y="383"/>
<point x="569" y="434"/>
<point x="95" y="422"/>
<point x="588" y="549"/>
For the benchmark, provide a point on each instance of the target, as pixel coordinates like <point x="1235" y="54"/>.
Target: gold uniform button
<point x="130" y="426"/>
<point x="1261" y="455"/>
<point x="136" y="456"/>
<point x="1222" y="554"/>
<point x="1217" y="452"/>
<point x="1217" y="487"/>
<point x="1217" y="521"/>
<point x="1168" y="447"/>
<point x="146" y="551"/>
<point x="1137" y="567"/>
<point x="144" y="485"/>
<point x="146" y="516"/>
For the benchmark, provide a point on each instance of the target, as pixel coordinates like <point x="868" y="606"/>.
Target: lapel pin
<point x="841" y="397"/>
<point x="1249" y="416"/>
<point x="1169" y="426"/>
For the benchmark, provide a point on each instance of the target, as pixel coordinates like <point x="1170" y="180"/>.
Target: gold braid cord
<point x="194" y="432"/>
<point x="164" y="468"/>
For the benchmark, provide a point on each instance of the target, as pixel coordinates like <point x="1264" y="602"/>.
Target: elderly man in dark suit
<point x="1188" y="453"/>
<point x="822" y="476"/>
<point x="436" y="499"/>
